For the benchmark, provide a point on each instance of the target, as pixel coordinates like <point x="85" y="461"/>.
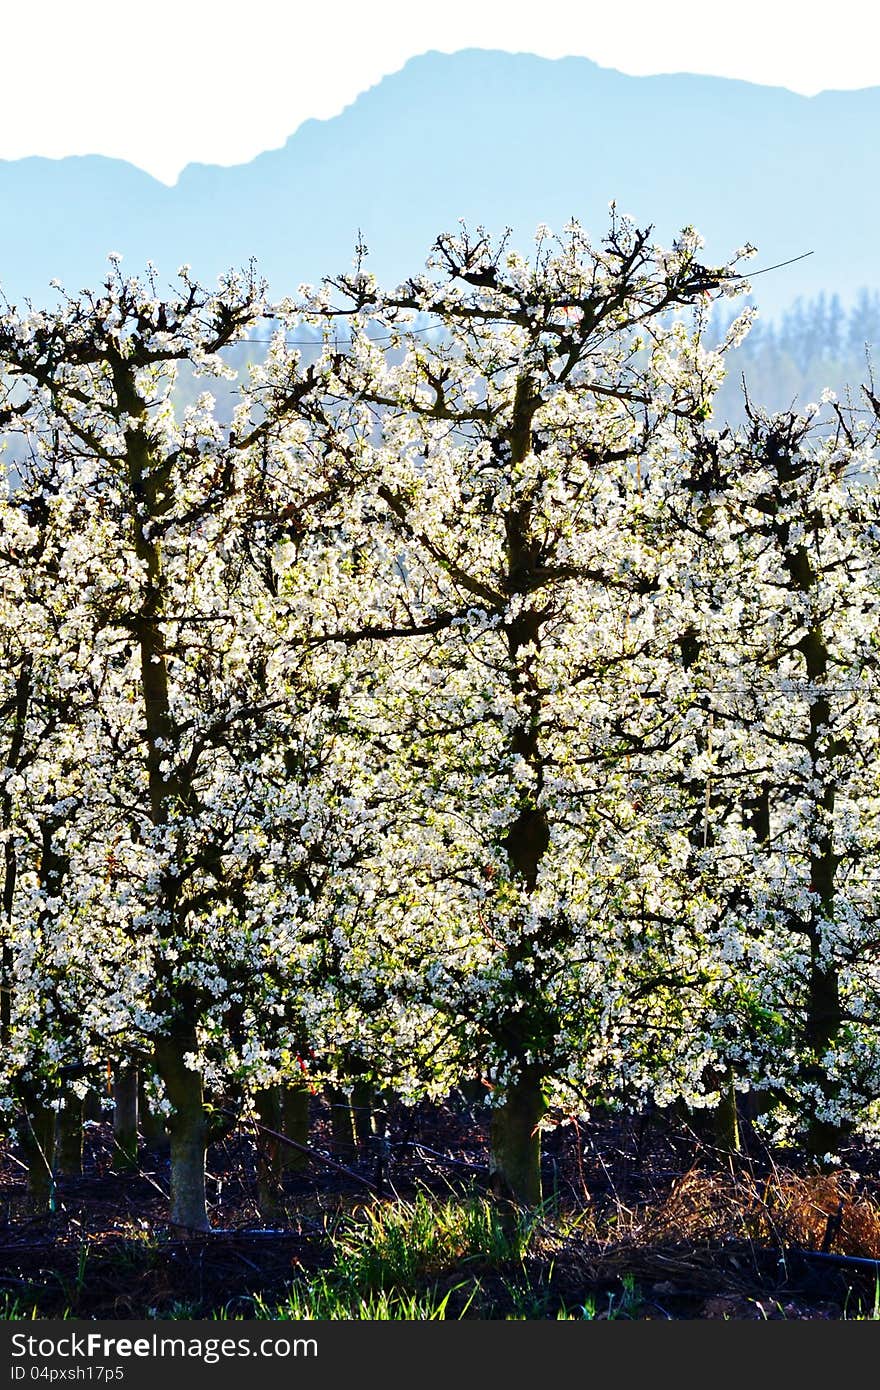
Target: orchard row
<point x="448" y="698"/>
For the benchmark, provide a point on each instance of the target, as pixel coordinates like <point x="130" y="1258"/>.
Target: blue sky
<point x="187" y="80"/>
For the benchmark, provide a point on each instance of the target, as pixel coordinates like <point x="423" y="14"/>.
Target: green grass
<point x="327" y="1298"/>
<point x="13" y="1308"/>
<point x="419" y="1260"/>
<point x="390" y="1247"/>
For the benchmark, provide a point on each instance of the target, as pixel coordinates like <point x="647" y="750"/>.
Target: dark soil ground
<point x="644" y="1219"/>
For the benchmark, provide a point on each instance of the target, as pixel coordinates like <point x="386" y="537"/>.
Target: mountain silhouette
<point x="494" y="138"/>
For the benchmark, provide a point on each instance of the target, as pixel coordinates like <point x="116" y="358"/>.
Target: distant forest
<point x="790" y="361"/>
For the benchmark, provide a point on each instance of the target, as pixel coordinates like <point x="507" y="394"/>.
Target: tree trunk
<point x="342" y="1136"/>
<point x="823" y="1137"/>
<point x="153" y="1125"/>
<point x="269" y="1160"/>
<point x="69" y="1139"/>
<point x="189" y="1133"/>
<point x="92" y="1109"/>
<point x="10" y="861"/>
<point x="727" y="1135"/>
<point x="362" y="1108"/>
<point x="125" y="1119"/>
<point x="823" y="1012"/>
<point x="472" y="1090"/>
<point x="37" y="1139"/>
<point x="515" y="1159"/>
<point x="295" y="1125"/>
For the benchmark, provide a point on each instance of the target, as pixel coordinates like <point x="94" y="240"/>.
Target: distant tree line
<point x="816" y="345"/>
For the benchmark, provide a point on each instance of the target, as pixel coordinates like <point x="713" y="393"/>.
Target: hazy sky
<point x="180" y="80"/>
